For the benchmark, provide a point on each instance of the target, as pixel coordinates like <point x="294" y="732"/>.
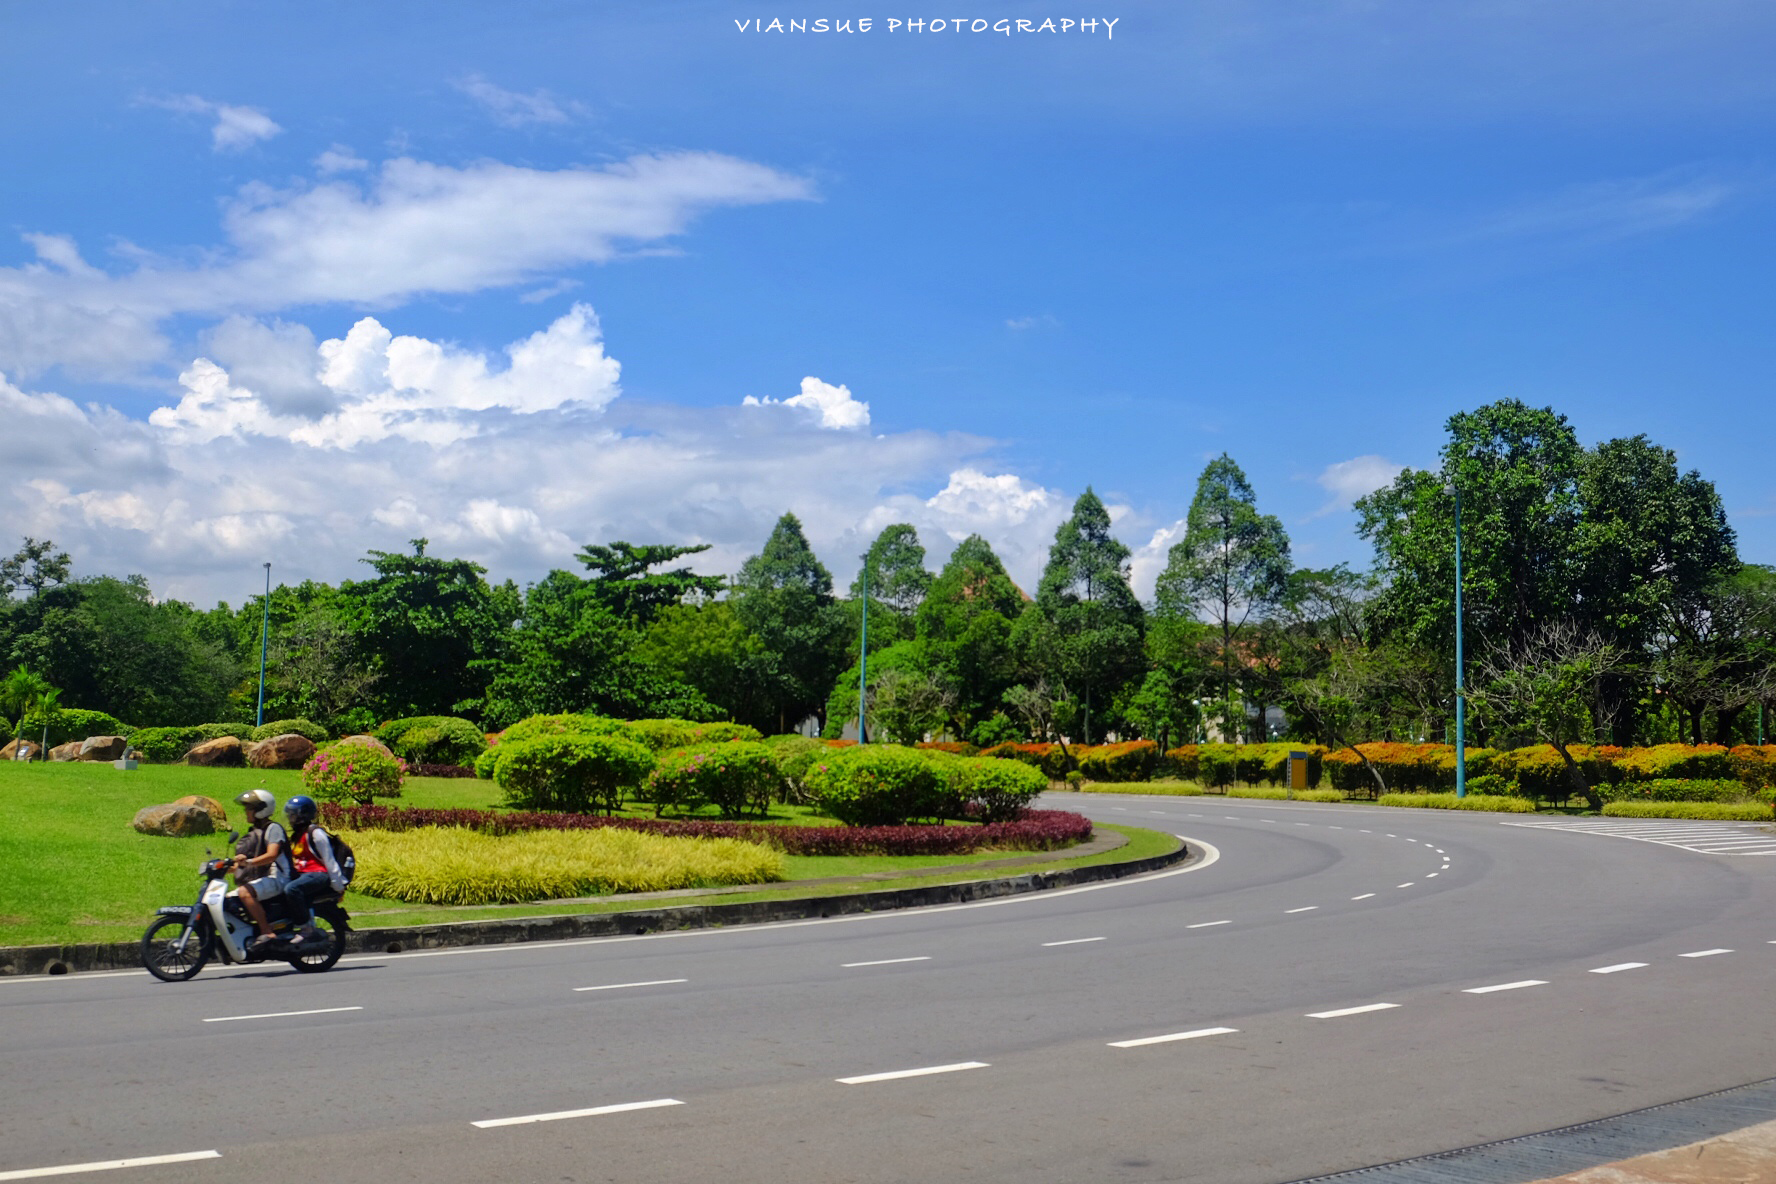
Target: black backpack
<point x="343" y="856"/>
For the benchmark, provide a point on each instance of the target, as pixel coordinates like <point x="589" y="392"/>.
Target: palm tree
<point x="30" y="694"/>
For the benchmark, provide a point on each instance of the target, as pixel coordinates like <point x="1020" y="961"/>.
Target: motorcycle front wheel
<point x="163" y="957"/>
<point x="324" y="956"/>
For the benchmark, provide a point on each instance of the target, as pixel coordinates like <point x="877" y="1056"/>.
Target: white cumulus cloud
<point x="1348" y="480"/>
<point x="234" y="127"/>
<point x="831" y="406"/>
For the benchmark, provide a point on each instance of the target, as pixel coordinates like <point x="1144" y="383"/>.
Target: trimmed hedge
<point x="285" y="727"/>
<point x="1448" y="801"/>
<point x="352" y="772"/>
<point x="882" y="785"/>
<point x="664" y="734"/>
<point x="433" y="739"/>
<point x="996" y="791"/>
<point x="1052" y="759"/>
<point x="1675" y="791"/>
<point x="1714" y="811"/>
<point x="72" y="723"/>
<point x="1037" y="830"/>
<point x="733" y="777"/>
<point x="570" y="771"/>
<point x="1132" y="760"/>
<point x="440" y="771"/>
<point x="163" y="746"/>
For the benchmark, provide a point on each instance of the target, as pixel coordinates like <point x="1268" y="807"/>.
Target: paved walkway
<point x="1746" y="1156"/>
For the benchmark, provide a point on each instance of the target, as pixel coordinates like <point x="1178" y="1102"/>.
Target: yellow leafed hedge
<point x="452" y="866"/>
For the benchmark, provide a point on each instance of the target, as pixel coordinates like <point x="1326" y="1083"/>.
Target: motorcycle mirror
<point x="233" y="836"/>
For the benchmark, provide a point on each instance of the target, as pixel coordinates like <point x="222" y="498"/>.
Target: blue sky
<point x="1303" y="233"/>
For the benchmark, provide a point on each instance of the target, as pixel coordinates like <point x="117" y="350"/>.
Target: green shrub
<point x="241" y="732"/>
<point x="999" y="790"/>
<point x="1185" y="761"/>
<point x="352" y="773"/>
<point x="1130" y="761"/>
<point x="1718" y="811"/>
<point x="1319" y="795"/>
<point x="881" y="785"/>
<point x="795" y="755"/>
<point x="566" y="724"/>
<point x="433" y="739"/>
<point x="1492" y="785"/>
<point x="286" y="727"/>
<point x="1676" y="761"/>
<point x="163" y="746"/>
<point x="485" y="763"/>
<point x="1448" y="801"/>
<point x="1075" y="780"/>
<point x="1669" y="790"/>
<point x="663" y="734"/>
<point x="72" y="723"/>
<point x="734" y="777"/>
<point x="570" y="771"/>
<point x="1268" y="793"/>
<point x="1052" y="759"/>
<point x="996" y="729"/>
<point x="1754" y="765"/>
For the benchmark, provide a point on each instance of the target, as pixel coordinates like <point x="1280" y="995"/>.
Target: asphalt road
<point x="1464" y="954"/>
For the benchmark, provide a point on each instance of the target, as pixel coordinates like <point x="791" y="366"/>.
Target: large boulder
<point x="368" y="742"/>
<point x="289" y="751"/>
<point x="223" y="750"/>
<point x="210" y="806"/>
<point x="66" y="752"/>
<point x="19" y="750"/>
<point x="173" y="821"/>
<point x="103" y="748"/>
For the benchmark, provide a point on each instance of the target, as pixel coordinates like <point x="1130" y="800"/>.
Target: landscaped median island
<point x="730" y="828"/>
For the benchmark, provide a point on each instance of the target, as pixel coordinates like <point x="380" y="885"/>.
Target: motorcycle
<point x="182" y="939"/>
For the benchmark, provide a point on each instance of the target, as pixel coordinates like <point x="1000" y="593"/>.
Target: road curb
<point x="76" y="959"/>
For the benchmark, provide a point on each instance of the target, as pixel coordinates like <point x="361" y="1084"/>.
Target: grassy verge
<point x="72" y="869"/>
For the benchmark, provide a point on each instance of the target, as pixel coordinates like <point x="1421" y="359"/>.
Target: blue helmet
<point x="301" y="811"/>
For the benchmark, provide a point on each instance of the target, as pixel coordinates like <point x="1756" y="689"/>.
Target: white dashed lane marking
<point x="1618" y="967"/>
<point x="1306" y="908"/>
<point x="868" y="1078"/>
<point x="1199" y="1032"/>
<point x="884" y="962"/>
<point x="1704" y="953"/>
<point x="1072" y="941"/>
<point x="1207" y="924"/>
<point x="276" y="1015"/>
<point x="105" y="1165"/>
<point x="558" y="1115"/>
<point x="1528" y="982"/>
<point x="1343" y="1011"/>
<point x="658" y="982"/>
<point x="1365" y="896"/>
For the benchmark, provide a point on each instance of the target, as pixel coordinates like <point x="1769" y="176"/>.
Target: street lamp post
<point x="264" y="639"/>
<point x="863" y="654"/>
<point x="1461" y="700"/>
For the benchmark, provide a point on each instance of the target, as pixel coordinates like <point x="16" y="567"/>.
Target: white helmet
<point x="258" y="803"/>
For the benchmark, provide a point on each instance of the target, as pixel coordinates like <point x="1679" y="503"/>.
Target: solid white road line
<point x="1365" y="896"/>
<point x="867" y="1078"/>
<point x="1172" y="1036"/>
<point x="885" y="961"/>
<point x="1072" y="941"/>
<point x="1332" y="1015"/>
<point x="1704" y="953"/>
<point x="277" y="1015"/>
<point x="1207" y="924"/>
<point x="1528" y="982"/>
<point x="658" y="982"/>
<point x="525" y="1119"/>
<point x="1618" y="967"/>
<point x="105" y="1165"/>
<point x="1307" y="908"/>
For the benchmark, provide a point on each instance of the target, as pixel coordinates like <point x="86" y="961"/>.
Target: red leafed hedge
<point x="1037" y="830"/>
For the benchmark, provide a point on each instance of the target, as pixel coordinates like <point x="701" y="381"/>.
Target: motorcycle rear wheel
<point x="161" y="953"/>
<point x="322" y="958"/>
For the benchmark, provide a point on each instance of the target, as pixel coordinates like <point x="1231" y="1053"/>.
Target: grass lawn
<point x="73" y="870"/>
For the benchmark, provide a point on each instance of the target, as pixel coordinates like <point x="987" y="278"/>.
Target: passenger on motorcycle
<point x="311" y="855"/>
<point x="261" y="875"/>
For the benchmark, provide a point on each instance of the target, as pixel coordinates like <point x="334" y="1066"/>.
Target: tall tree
<point x="1087" y="628"/>
<point x="784" y="597"/>
<point x="434" y="625"/>
<point x="624" y="580"/>
<point x="34" y="567"/>
<point x="1231" y="564"/>
<point x="895" y="566"/>
<point x="965" y="623"/>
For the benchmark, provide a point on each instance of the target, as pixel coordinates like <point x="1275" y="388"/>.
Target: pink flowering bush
<point x="353" y="773"/>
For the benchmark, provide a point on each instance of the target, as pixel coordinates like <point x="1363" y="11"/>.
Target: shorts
<point x="265" y="887"/>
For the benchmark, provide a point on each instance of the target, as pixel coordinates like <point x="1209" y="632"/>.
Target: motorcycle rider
<point x="311" y="856"/>
<point x="262" y="860"/>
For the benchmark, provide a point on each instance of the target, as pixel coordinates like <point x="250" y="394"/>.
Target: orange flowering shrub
<point x="1132" y="760"/>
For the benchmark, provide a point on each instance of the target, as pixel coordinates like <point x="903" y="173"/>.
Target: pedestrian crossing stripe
<point x="1706" y="838"/>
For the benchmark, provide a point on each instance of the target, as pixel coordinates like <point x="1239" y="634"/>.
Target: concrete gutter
<point x="74" y="959"/>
